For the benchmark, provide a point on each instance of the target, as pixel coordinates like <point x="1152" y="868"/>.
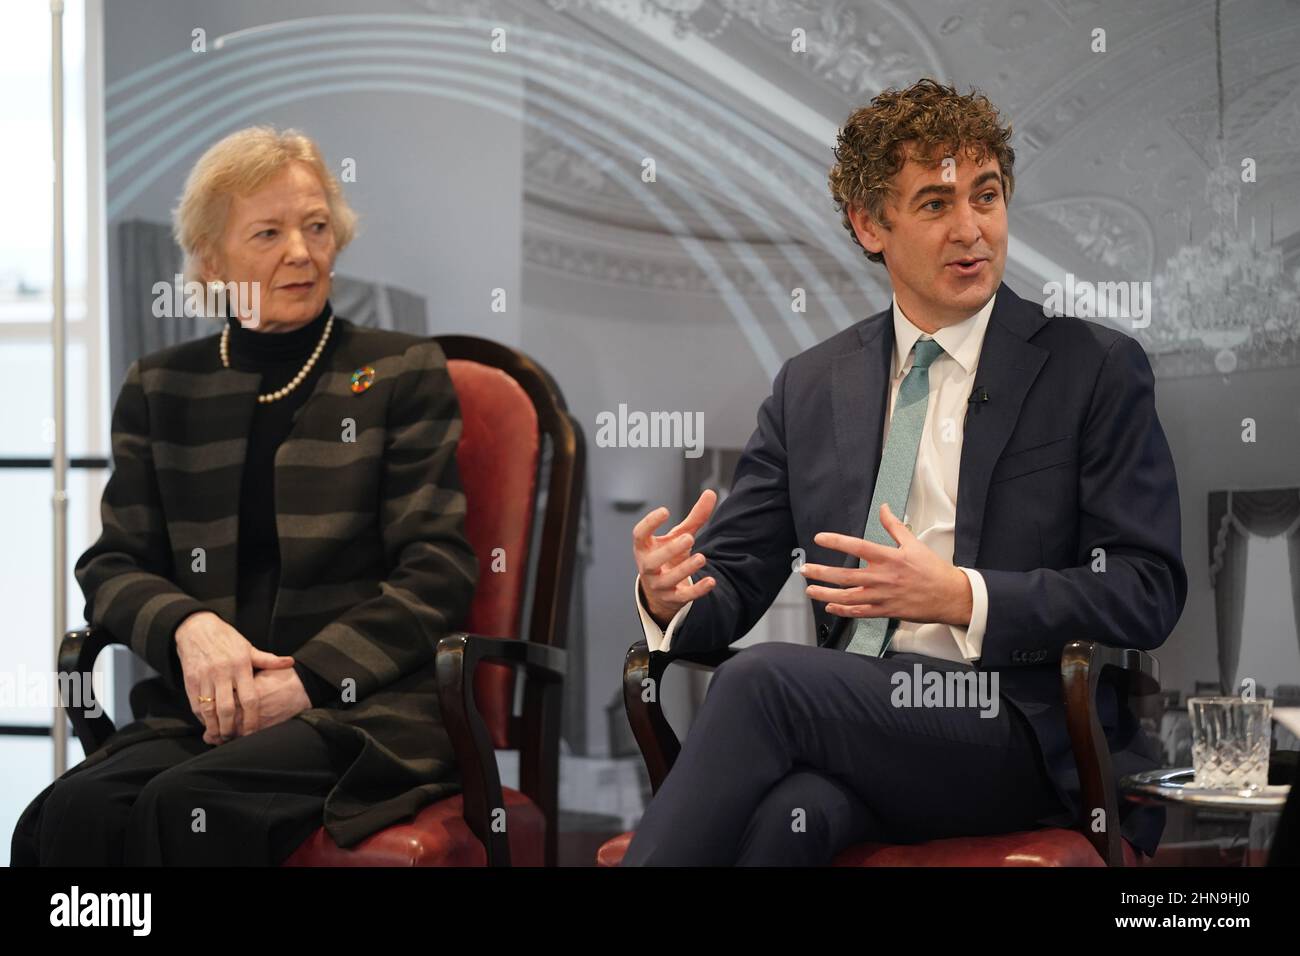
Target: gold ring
<point x="206" y="700"/>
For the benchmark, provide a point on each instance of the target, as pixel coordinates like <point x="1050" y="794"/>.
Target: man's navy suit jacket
<point x="1066" y="456"/>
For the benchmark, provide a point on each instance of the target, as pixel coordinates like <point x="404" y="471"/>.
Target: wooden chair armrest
<point x="1084" y="664"/>
<point x="541" y="661"/>
<point x="77" y="653"/>
<point x="643" y="672"/>
<point x="456" y="660"/>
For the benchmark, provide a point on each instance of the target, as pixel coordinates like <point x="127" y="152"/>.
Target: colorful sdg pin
<point x="362" y="379"/>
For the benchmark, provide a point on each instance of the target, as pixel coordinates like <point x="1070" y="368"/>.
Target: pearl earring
<point x="331" y="273"/>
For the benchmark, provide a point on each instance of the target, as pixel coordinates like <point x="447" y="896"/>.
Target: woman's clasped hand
<point x="233" y="687"/>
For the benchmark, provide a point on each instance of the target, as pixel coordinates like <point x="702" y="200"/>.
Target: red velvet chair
<point x="1083" y="664"/>
<point x="508" y="403"/>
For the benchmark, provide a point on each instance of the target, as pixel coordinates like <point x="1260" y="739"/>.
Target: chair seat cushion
<point x="1048" y="847"/>
<point x="436" y="836"/>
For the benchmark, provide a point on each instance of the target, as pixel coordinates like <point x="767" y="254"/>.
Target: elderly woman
<point x="283" y="541"/>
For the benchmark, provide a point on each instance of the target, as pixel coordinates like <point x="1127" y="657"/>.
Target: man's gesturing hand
<point x="909" y="582"/>
<point x="665" y="562"/>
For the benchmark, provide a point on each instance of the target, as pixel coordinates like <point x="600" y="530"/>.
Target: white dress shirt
<point x="932" y="503"/>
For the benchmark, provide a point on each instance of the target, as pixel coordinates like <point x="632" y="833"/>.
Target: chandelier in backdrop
<point x="1225" y="293"/>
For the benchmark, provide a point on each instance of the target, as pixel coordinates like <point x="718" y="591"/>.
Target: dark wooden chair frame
<point x="535" y="732"/>
<point x="1083" y="665"/>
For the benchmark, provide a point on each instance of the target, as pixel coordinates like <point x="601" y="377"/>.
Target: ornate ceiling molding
<point x="612" y="254"/>
<point x="1111" y="234"/>
<point x="857" y="47"/>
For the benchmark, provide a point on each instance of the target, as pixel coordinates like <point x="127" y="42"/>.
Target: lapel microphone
<point x="978" y="396"/>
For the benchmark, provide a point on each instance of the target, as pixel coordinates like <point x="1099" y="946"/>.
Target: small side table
<point x="1175" y="787"/>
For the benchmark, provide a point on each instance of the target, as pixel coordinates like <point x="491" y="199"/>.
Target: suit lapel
<point x="859" y="398"/>
<point x="1008" y="366"/>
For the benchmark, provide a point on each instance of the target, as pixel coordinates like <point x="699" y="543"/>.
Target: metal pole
<point x="59" y="500"/>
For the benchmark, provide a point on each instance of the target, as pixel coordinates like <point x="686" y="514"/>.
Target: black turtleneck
<point x="279" y="356"/>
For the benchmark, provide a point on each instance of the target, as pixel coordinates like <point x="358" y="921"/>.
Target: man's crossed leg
<point x="799" y="752"/>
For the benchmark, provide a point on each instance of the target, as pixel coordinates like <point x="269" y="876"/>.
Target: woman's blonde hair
<point x="241" y="163"/>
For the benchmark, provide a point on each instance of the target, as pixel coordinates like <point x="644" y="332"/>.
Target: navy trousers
<point x="178" y="801"/>
<point x="798" y="752"/>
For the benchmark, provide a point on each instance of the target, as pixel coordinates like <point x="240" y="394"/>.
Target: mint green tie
<point x="871" y="635"/>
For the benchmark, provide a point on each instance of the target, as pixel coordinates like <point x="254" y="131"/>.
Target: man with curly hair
<point x="967" y="485"/>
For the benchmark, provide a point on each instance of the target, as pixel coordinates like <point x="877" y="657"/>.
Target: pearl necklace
<point x="280" y="393"/>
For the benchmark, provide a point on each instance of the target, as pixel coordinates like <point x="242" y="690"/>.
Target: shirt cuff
<point x="656" y="639"/>
<point x="970" y="639"/>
